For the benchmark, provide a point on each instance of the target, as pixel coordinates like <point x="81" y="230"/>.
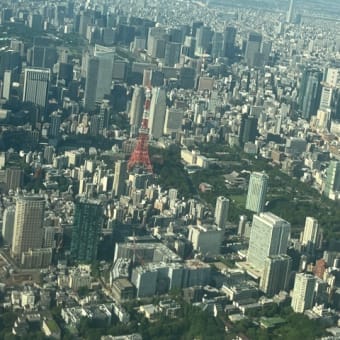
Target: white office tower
<point x="269" y="236"/>
<point x="157" y="37"/>
<point x="276" y="273"/>
<point x="257" y="190"/>
<point x="303" y="292"/>
<point x="221" y="211"/>
<point x="28" y="224"/>
<point x="36" y="84"/>
<point x="137" y="106"/>
<point x="206" y="239"/>
<point x="310" y="235"/>
<point x="157" y="112"/>
<point x="8" y="224"/>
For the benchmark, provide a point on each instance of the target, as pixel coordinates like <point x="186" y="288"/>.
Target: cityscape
<point x="170" y="170"/>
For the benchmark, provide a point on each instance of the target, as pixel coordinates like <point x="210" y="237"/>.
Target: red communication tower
<point x="140" y="155"/>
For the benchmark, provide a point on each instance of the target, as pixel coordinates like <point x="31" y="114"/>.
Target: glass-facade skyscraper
<point x="87" y="225"/>
<point x="310" y="92"/>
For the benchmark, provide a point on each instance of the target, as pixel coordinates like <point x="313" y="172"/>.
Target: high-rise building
<point x="189" y="47"/>
<point x="257" y="190"/>
<point x="8" y="224"/>
<point x="157" y="112"/>
<point x="248" y="129"/>
<point x="176" y="35"/>
<point x="157" y="38"/>
<point x="137" y="106"/>
<point x="119" y="177"/>
<point x="187" y="77"/>
<point x="203" y="40"/>
<point x="6" y="90"/>
<point x="269" y="236"/>
<point x="44" y="56"/>
<point x="49" y="153"/>
<point x="332" y="184"/>
<point x="252" y="53"/>
<point x="28" y="225"/>
<point x="84" y="21"/>
<point x="310" y="235"/>
<point x="242" y="225"/>
<point x="221" y="211"/>
<point x="55" y="124"/>
<point x="173" y="120"/>
<point x="35" y="22"/>
<point x="327" y="96"/>
<point x="65" y="72"/>
<point x="156" y="78"/>
<point x="36" y="85"/>
<point x="229" y="36"/>
<point x="310" y="92"/>
<point x="276" y="273"/>
<point x="290" y="13"/>
<point x="173" y="193"/>
<point x="217" y="45"/>
<point x="303" y="292"/>
<point x="105" y="71"/>
<point x="10" y="60"/>
<point x="95" y="122"/>
<point x="206" y="239"/>
<point x="105" y="114"/>
<point x="91" y="83"/>
<point x="87" y="226"/>
<point x="330" y="96"/>
<point x="266" y="49"/>
<point x="99" y="73"/>
<point x="172" y="53"/>
<point x="14" y="178"/>
<point x="195" y="26"/>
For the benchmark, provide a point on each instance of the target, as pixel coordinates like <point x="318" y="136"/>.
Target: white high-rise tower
<point x="303" y="292"/>
<point x="257" y="190"/>
<point x="157" y="112"/>
<point x="310" y="234"/>
<point x="269" y="236"/>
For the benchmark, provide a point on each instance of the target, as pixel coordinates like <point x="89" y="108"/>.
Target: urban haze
<point x="170" y="170"/>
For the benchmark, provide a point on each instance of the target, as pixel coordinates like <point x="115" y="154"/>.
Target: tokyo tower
<point x="140" y="155"/>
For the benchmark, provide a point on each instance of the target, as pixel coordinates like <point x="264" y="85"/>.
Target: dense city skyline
<point x="170" y="170"/>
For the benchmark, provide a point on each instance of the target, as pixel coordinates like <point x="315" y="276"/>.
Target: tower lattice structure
<point x="140" y="155"/>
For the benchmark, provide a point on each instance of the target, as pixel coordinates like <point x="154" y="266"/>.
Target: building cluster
<point x="87" y="87"/>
